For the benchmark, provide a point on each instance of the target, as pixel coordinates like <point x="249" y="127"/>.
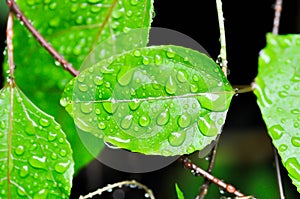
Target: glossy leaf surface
<point x="160" y="100"/>
<point x="35" y="156"/>
<point x="277" y="87"/>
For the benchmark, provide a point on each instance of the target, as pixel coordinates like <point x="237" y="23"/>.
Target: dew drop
<point x="53" y="156"/>
<point x="108" y="107"/>
<point x="282" y="147"/>
<point x="196" y="78"/>
<point x="295" y="111"/>
<point x="137" y="53"/>
<point x="146" y="60"/>
<point x="19" y="150"/>
<point x="63" y="102"/>
<point x="190" y="149"/>
<point x="21" y="192"/>
<point x="193" y="88"/>
<point x="126" y="122"/>
<point x="124" y="78"/>
<point x="158" y="60"/>
<point x="116" y="14"/>
<point x="276" y="131"/>
<point x="296" y="141"/>
<point x="79" y="20"/>
<point x="61" y="167"/>
<point x="296" y="78"/>
<point x="283" y="94"/>
<point x="42" y="194"/>
<point x="54" y="22"/>
<point x="53" y="5"/>
<point x="37" y="162"/>
<point x="134" y="2"/>
<point x="170" y="53"/>
<point x="23" y="171"/>
<point x="207" y="126"/>
<point x="63" y="153"/>
<point x="163" y="118"/>
<point x="171" y="86"/>
<point x="101" y="125"/>
<point x="293" y="167"/>
<point x="83" y="87"/>
<point x="86" y="107"/>
<point x="129" y="13"/>
<point x="95" y="9"/>
<point x="144" y="121"/>
<point x="184" y="121"/>
<point x="44" y="122"/>
<point x="182" y="76"/>
<point x="177" y="138"/>
<point x="51" y="136"/>
<point x="94" y="1"/>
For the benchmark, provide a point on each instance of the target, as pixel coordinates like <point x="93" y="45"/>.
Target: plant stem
<point x="10" y="47"/>
<point x="278" y="9"/>
<point x="198" y="171"/>
<point x="119" y="184"/>
<point x="279" y="180"/>
<point x="20" y="16"/>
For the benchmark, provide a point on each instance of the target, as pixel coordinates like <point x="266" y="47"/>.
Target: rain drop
<point x="94" y="1"/>
<point x="37" y="162"/>
<point x="44" y="122"/>
<point x="283" y="94"/>
<point x="137" y="53"/>
<point x="61" y="167"/>
<point x="177" y="138"/>
<point x="182" y="76"/>
<point x="170" y="53"/>
<point x="101" y="125"/>
<point x="158" y="60"/>
<point x="146" y="60"/>
<point x="86" y="107"/>
<point x="276" y="131"/>
<point x="83" y="87"/>
<point x="134" y="2"/>
<point x="19" y="150"/>
<point x="63" y="153"/>
<point x="184" y="121"/>
<point x="23" y="171"/>
<point x="171" y="87"/>
<point x="163" y="118"/>
<point x="144" y="121"/>
<point x="207" y="126"/>
<point x="295" y="111"/>
<point x="296" y="141"/>
<point x="126" y="122"/>
<point x="51" y="136"/>
<point x="293" y="167"/>
<point x="54" y="22"/>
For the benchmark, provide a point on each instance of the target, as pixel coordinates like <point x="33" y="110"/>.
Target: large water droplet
<point x="296" y="141"/>
<point x="171" y="86"/>
<point x="184" y="121"/>
<point x="177" y="138"/>
<point x="61" y="167"/>
<point x="38" y="162"/>
<point x="276" y="131"/>
<point x="86" y="107"/>
<point x="144" y="120"/>
<point x="163" y="118"/>
<point x="125" y="77"/>
<point x="182" y="76"/>
<point x="295" y="111"/>
<point x="19" y="150"/>
<point x="44" y="122"/>
<point x="207" y="126"/>
<point x="133" y="105"/>
<point x="98" y="80"/>
<point x="126" y="122"/>
<point x="215" y="102"/>
<point x="293" y="167"/>
<point x="116" y="14"/>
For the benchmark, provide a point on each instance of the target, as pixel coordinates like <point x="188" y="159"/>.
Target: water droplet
<point x="109" y="107"/>
<point x="296" y="77"/>
<point x="293" y="167"/>
<point x="51" y="136"/>
<point x="54" y="156"/>
<point x="61" y="167"/>
<point x="276" y="131"/>
<point x="126" y="122"/>
<point x="144" y="121"/>
<point x="79" y="20"/>
<point x="283" y="147"/>
<point x="116" y="14"/>
<point x="86" y="107"/>
<point x="147" y="195"/>
<point x="64" y="102"/>
<point x="194" y="88"/>
<point x="170" y="53"/>
<point x="19" y="150"/>
<point x="74" y="8"/>
<point x="134" y="2"/>
<point x="283" y="94"/>
<point x="23" y="171"/>
<point x="133" y="105"/>
<point x="2" y="124"/>
<point x="129" y="13"/>
<point x="182" y="76"/>
<point x="44" y="122"/>
<point x="137" y="53"/>
<point x="54" y="22"/>
<point x="95" y="9"/>
<point x="42" y="194"/>
<point x="171" y="86"/>
<point x="21" y="191"/>
<point x="63" y="153"/>
<point x="158" y="60"/>
<point x="124" y="77"/>
<point x="83" y="87"/>
<point x="196" y="78"/>
<point x="296" y="141"/>
<point x="215" y="102"/>
<point x="101" y="125"/>
<point x="177" y="138"/>
<point x="94" y="1"/>
<point x="184" y="121"/>
<point x="38" y="162"/>
<point x="207" y="127"/>
<point x="53" y="5"/>
<point x="295" y="111"/>
<point x="146" y="60"/>
<point x="163" y="118"/>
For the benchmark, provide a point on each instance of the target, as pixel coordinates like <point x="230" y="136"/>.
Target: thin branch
<point x="20" y="15"/>
<point x="120" y="184"/>
<point x="10" y="47"/>
<point x="278" y="9"/>
<point x="279" y="180"/>
<point x="223" y="54"/>
<point x="198" y="171"/>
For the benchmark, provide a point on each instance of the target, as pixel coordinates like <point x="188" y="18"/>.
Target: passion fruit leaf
<point x="277" y="87"/>
<point x="35" y="156"/>
<point x="159" y="100"/>
<point x="78" y="30"/>
<point x="179" y="192"/>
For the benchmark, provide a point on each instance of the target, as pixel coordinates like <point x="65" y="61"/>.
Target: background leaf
<point x="278" y="96"/>
<point x="160" y="100"/>
<point x="179" y="192"/>
<point x="36" y="158"/>
<point x="75" y="28"/>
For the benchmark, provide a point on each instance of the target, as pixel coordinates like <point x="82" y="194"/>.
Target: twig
<point x="10" y="47"/>
<point x="278" y="9"/>
<point x="198" y="171"/>
<point x="20" y="15"/>
<point x="119" y="184"/>
<point x="279" y="180"/>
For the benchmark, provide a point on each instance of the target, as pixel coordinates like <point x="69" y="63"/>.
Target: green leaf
<point x="76" y="29"/>
<point x="36" y="158"/>
<point x="160" y="100"/>
<point x="277" y="87"/>
<point x="179" y="192"/>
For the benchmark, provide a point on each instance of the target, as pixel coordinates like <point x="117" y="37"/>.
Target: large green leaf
<point x="35" y="156"/>
<point x="277" y="87"/>
<point x="164" y="100"/>
<point x="77" y="28"/>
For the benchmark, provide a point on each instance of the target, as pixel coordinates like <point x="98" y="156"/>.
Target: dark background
<point x="245" y="154"/>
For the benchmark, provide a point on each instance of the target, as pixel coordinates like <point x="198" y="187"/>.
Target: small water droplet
<point x="109" y="107"/>
<point x="193" y="88"/>
<point x="207" y="126"/>
<point x="63" y="152"/>
<point x="163" y="118"/>
<point x="296" y="141"/>
<point x="44" y="122"/>
<point x="74" y="8"/>
<point x="133" y="105"/>
<point x="94" y="1"/>
<point x="190" y="149"/>
<point x="126" y="122"/>
<point x="137" y="53"/>
<point x="146" y="60"/>
<point x="144" y="120"/>
<point x="171" y="86"/>
<point x="61" y="167"/>
<point x="101" y="125"/>
<point x="42" y="194"/>
<point x="170" y="53"/>
<point x="116" y="14"/>
<point x="158" y="60"/>
<point x="95" y="9"/>
<point x="276" y="131"/>
<point x="293" y="167"/>
<point x="282" y="147"/>
<point x="83" y="87"/>
<point x="182" y="76"/>
<point x="184" y="121"/>
<point x="53" y="5"/>
<point x="295" y="111"/>
<point x="296" y="77"/>
<point x="51" y="136"/>
<point x="147" y="195"/>
<point x="38" y="162"/>
<point x="177" y="138"/>
<point x="54" y="22"/>
<point x="196" y="78"/>
<point x="129" y="13"/>
<point x="134" y="2"/>
<point x="86" y="107"/>
<point x="53" y="156"/>
<point x="64" y="102"/>
<point x="19" y="150"/>
<point x="125" y="77"/>
<point x="23" y="171"/>
<point x="79" y="20"/>
<point x="283" y="94"/>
